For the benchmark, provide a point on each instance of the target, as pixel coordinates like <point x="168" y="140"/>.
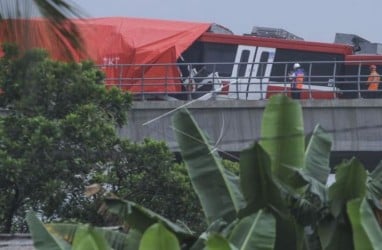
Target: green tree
<point x="59" y="129"/>
<point x="59" y="136"/>
<point x="153" y="180"/>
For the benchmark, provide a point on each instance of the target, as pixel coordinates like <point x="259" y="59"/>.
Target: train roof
<point x="145" y="41"/>
<point x="342" y="49"/>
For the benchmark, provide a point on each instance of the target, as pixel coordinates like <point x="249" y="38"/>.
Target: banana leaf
<point x="336" y="234"/>
<point x="257" y="183"/>
<point x="315" y="173"/>
<point x="218" y="227"/>
<point x="289" y="235"/>
<point x="218" y="190"/>
<point x="360" y="238"/>
<point x="371" y="225"/>
<point x="257" y="231"/>
<point x="218" y="242"/>
<point x="159" y="238"/>
<point x="117" y="240"/>
<point x="317" y="155"/>
<point x="141" y="218"/>
<point x="282" y="136"/>
<point x="86" y="238"/>
<point x="374" y="186"/>
<point x="42" y="239"/>
<point x="59" y="27"/>
<point x="350" y="184"/>
<point x="261" y="190"/>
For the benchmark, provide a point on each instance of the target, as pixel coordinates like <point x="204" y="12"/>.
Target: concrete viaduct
<point x="355" y="124"/>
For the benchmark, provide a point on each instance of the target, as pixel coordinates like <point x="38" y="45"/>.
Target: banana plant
<point x="280" y="200"/>
<point x="353" y="200"/>
<point x="262" y="167"/>
<point x="282" y="136"/>
<point x="217" y="189"/>
<point x="158" y="237"/>
<point x="278" y="175"/>
<point x="281" y="176"/>
<point x="140" y="218"/>
<point x="83" y="238"/>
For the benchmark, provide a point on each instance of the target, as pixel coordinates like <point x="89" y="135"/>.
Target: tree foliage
<point x="58" y="135"/>
<point x="59" y="127"/>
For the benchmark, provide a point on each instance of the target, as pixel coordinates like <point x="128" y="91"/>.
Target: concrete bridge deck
<point x="356" y="124"/>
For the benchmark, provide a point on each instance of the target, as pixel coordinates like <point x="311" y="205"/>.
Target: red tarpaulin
<point x="112" y="42"/>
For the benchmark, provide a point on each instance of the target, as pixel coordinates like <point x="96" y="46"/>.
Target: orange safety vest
<point x="373" y="81"/>
<point x="300" y="81"/>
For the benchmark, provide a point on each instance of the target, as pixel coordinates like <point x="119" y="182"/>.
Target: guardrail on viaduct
<point x="356" y="124"/>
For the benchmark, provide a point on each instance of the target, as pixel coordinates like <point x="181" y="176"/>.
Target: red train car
<point x="183" y="60"/>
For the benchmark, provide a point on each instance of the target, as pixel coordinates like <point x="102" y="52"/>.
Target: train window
<point x="223" y="53"/>
<point x="242" y="67"/>
<point x="262" y="65"/>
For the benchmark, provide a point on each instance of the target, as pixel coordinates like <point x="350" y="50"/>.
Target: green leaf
<point x="257" y="182"/>
<point x="282" y="136"/>
<point x="374" y="186"/>
<point x="117" y="240"/>
<point x="159" y="238"/>
<point x="371" y="225"/>
<point x="219" y="226"/>
<point x="350" y="184"/>
<point x="360" y="238"/>
<point x="218" y="191"/>
<point x="257" y="231"/>
<point x="289" y="235"/>
<point x="42" y="239"/>
<point x="335" y="235"/>
<point x="218" y="242"/>
<point x="317" y="155"/>
<point x="142" y="218"/>
<point x="313" y="185"/>
<point x="86" y="238"/>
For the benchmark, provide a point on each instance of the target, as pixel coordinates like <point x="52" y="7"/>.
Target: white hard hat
<point x="296" y="65"/>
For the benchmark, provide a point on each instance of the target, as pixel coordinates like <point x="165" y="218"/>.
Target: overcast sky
<point x="317" y="20"/>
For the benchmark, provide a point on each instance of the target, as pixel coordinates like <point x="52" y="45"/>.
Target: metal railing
<point x="185" y="81"/>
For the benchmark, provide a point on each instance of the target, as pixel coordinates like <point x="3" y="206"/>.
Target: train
<point x="167" y="59"/>
<point x="257" y="67"/>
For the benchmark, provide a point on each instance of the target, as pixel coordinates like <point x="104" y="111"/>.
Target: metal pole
<point x="286" y="78"/>
<point x="213" y="81"/>
<point x="334" y="80"/>
<point x="359" y="81"/>
<point x="120" y="76"/>
<point x="142" y="83"/>
<point x="166" y="80"/>
<point x="310" y="81"/>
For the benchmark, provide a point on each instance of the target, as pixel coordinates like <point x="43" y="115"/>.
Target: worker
<point x="373" y="82"/>
<point x="297" y="81"/>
